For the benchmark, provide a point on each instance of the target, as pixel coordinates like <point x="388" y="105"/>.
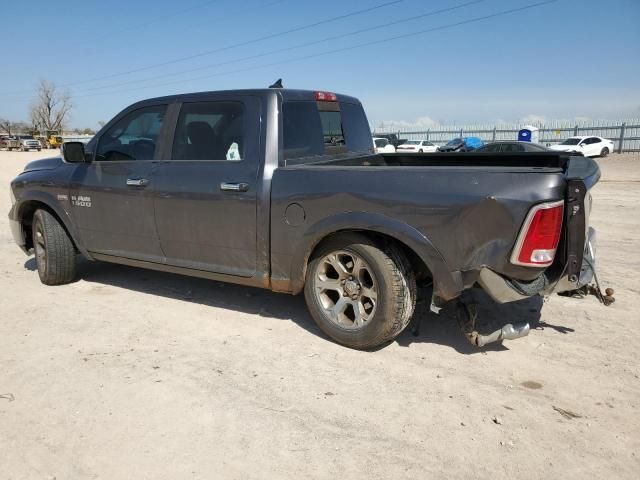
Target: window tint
<point x="336" y="128"/>
<point x="594" y="140"/>
<point x="209" y="131"/>
<point x="301" y="130"/>
<point x="381" y="142"/>
<point x="512" y="147"/>
<point x="133" y="137"/>
<point x="356" y="127"/>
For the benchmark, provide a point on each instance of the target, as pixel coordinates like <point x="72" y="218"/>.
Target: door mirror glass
<point x="73" y="152"/>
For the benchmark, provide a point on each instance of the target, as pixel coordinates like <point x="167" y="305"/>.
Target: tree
<point x="88" y="131"/>
<point x="10" y="128"/>
<point x="51" y="108"/>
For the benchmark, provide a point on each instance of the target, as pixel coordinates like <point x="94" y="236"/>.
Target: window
<point x="594" y="140"/>
<point x="335" y="128"/>
<point x="571" y="141"/>
<point x="133" y="137"/>
<point x="512" y="147"/>
<point x="209" y="131"/>
<point x="427" y="144"/>
<point x="381" y="142"/>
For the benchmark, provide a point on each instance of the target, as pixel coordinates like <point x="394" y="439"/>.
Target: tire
<point x="420" y="151"/>
<point x="381" y="284"/>
<point x="22" y="149"/>
<point x="54" y="251"/>
<point x="604" y="152"/>
<point x="39" y="149"/>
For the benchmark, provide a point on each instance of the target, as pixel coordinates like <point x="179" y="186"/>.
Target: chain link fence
<point x="625" y="134"/>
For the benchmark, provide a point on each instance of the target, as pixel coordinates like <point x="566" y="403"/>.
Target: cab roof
<point x="286" y="94"/>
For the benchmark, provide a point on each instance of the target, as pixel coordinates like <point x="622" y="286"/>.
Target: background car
<point x="416" y="146"/>
<point x="4" y="141"/>
<point x="392" y="137"/>
<point x="25" y="143"/>
<point x="587" y="146"/>
<point x="383" y="145"/>
<point x="462" y="144"/>
<point x="512" y="147"/>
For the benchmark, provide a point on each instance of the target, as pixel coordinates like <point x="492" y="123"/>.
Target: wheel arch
<point x="423" y="256"/>
<point x="32" y="201"/>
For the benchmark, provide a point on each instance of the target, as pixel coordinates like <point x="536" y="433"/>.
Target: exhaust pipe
<point x="508" y="332"/>
<point x="467" y="315"/>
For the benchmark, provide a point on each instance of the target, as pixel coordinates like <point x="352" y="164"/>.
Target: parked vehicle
<point x="281" y="189"/>
<point x="511" y="147"/>
<point x="587" y="146"/>
<point x="24" y="143"/>
<point x="382" y="145"/>
<point x="416" y="146"/>
<point x="5" y="141"/>
<point x="464" y="144"/>
<point x="392" y="137"/>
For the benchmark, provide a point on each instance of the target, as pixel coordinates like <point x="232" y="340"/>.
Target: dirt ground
<point x="134" y="374"/>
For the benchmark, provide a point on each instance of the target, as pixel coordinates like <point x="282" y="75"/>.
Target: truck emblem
<point x="81" y="201"/>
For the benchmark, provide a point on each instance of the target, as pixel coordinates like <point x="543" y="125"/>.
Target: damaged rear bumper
<point x="503" y="290"/>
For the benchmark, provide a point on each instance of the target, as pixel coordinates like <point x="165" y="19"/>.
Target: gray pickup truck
<point x="281" y="189"/>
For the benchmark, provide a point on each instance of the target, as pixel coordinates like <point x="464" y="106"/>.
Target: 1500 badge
<point x="81" y="201"/>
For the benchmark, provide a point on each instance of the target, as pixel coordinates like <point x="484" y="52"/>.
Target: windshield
<point x="381" y="142"/>
<point x="412" y="142"/>
<point x="26" y="137"/>
<point x="455" y="141"/>
<point x="571" y="141"/>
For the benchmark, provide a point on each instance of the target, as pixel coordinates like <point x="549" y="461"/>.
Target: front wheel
<point x="604" y="152"/>
<point x="420" y="151"/>
<point x="55" y="253"/>
<point x="360" y="294"/>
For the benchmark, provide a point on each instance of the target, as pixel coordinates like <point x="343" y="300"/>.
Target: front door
<point x="206" y="190"/>
<point x="112" y="197"/>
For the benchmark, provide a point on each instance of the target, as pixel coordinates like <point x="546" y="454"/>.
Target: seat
<point x="203" y="144"/>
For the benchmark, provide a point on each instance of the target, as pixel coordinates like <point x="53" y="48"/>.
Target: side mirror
<point x="73" y="152"/>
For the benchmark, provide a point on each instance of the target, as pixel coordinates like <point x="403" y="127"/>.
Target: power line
<point x="236" y="45"/>
<point x="338" y="50"/>
<point x="293" y="47"/>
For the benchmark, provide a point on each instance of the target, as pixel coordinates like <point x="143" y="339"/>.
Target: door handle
<point x="234" y="187"/>
<point x="137" y="182"/>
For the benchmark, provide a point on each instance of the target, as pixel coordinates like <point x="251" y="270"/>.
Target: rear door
<point x="112" y="197"/>
<point x="206" y="187"/>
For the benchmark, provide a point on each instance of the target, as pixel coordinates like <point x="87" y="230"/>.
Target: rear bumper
<point x="503" y="290"/>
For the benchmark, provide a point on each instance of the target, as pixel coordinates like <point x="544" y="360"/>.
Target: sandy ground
<point x="133" y="374"/>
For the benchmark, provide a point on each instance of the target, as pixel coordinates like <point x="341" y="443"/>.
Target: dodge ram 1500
<point x="281" y="189"/>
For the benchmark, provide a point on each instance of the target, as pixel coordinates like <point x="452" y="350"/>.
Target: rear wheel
<point x="359" y="293"/>
<point x="604" y="152"/>
<point x="55" y="253"/>
<point x="420" y="151"/>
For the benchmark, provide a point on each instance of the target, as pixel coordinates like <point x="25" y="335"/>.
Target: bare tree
<point x="10" y="128"/>
<point x="51" y="108"/>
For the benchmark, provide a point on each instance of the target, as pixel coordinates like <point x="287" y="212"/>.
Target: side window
<point x="133" y="137"/>
<point x="209" y="131"/>
<point x="595" y="140"/>
<point x="356" y="127"/>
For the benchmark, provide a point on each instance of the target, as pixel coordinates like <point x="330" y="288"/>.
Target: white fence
<point x="624" y="133"/>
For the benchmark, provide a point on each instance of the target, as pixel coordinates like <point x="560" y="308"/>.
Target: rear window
<point x="313" y="129"/>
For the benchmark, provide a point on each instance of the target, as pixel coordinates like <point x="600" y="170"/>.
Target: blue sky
<point x="567" y="59"/>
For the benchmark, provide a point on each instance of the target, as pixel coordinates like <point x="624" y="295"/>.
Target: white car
<point x="587" y="146"/>
<point x="416" y="146"/>
<point x="383" y="145"/>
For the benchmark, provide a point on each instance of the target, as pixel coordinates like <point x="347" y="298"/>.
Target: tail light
<point x="326" y="97"/>
<point x="538" y="239"/>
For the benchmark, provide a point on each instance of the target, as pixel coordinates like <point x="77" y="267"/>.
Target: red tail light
<point x="538" y="239"/>
<point x="326" y="97"/>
